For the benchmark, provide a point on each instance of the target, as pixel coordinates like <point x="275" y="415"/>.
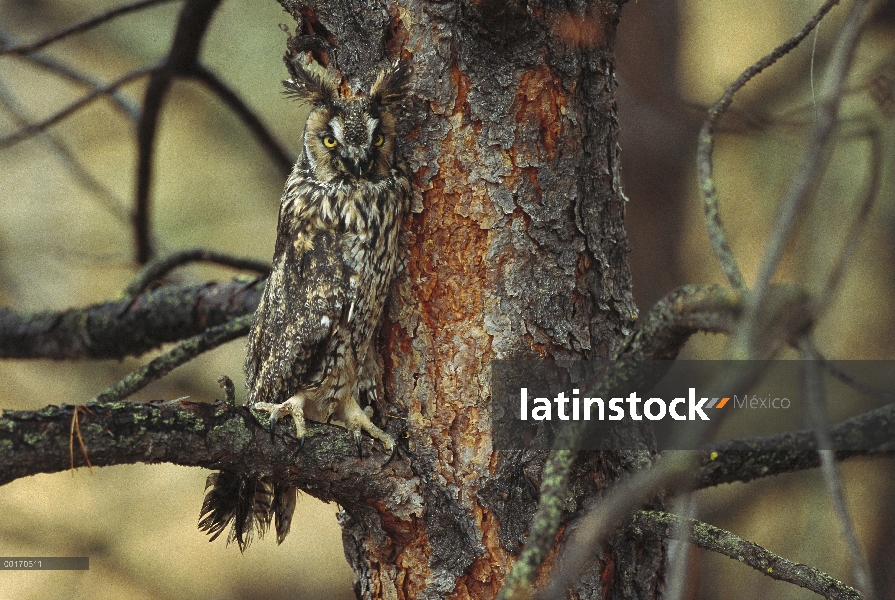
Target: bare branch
<point x="707" y="143"/>
<point x="834" y="370"/>
<point x="677" y="561"/>
<point x="128" y="108"/>
<point x="828" y="294"/>
<point x="98" y="191"/>
<point x="274" y="149"/>
<point x="181" y="61"/>
<point x="157" y="269"/>
<point x="754" y="458"/>
<point x="820" y="424"/>
<point x="30" y="130"/>
<point x="703" y="535"/>
<point x="805" y="181"/>
<point x="167" y="362"/>
<point x="663" y="331"/>
<point x="126" y="327"/>
<point x="85" y="25"/>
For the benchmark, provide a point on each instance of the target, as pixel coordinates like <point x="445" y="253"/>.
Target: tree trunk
<point x="515" y="248"/>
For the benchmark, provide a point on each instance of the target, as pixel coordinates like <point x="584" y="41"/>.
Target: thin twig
<point x="35" y="128"/>
<point x="157" y="269"/>
<point x="228" y="96"/>
<point x="805" y="181"/>
<point x="820" y="423"/>
<point x="104" y="196"/>
<point x="703" y="535"/>
<point x="76" y="428"/>
<point x="128" y="108"/>
<point x="167" y="362"/>
<point x="717" y="235"/>
<point x="124" y="327"/>
<point x="80" y="27"/>
<point x="678" y="554"/>
<point x="852" y="382"/>
<point x="146" y="131"/>
<point x="825" y="298"/>
<point x="229" y="390"/>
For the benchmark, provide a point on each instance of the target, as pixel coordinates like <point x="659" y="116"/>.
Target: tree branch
<point x="181" y="60"/>
<point x="80" y="27"/>
<point x="182" y="354"/>
<point x="126" y="327"/>
<point x="717" y="235"/>
<point x="819" y="419"/>
<point x="128" y="108"/>
<point x="194" y="434"/>
<point x="157" y="269"/>
<point x="753" y="458"/>
<point x="668" y="526"/>
<point x="34" y="128"/>
<point x="805" y="181"/>
<point x="98" y="191"/>
<point x="228" y="96"/>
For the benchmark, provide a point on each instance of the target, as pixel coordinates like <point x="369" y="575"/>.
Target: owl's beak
<point x="358" y="162"/>
<point x="359" y="167"/>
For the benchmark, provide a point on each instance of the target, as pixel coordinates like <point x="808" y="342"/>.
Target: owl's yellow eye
<point x="329" y="141"/>
<point x="378" y="140"/>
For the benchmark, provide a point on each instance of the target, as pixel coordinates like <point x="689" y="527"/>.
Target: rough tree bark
<point x="516" y="248"/>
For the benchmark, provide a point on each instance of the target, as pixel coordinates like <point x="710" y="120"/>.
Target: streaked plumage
<point x="310" y="352"/>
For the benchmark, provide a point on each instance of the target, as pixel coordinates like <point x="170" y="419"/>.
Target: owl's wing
<point x="302" y="306"/>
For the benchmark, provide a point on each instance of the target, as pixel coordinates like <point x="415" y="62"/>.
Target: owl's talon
<point x="301" y="443"/>
<point x="273" y="424"/>
<point x="292" y="407"/>
<point x="391" y="456"/>
<point x="360" y="454"/>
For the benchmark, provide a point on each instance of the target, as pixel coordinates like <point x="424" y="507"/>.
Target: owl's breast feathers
<point x="335" y="253"/>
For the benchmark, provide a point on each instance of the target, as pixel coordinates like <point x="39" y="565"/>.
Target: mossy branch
<point x="194" y="434"/>
<point x="703" y="535"/>
<point x="167" y="362"/>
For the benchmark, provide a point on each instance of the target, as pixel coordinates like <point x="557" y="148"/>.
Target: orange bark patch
<point x="581" y="31"/>
<point x="402" y="570"/>
<point x="607" y="577"/>
<point x="540" y="101"/>
<point x="461" y="80"/>
<point x="487" y="573"/>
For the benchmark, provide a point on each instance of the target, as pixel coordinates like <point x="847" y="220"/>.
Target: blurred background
<point x="65" y="242"/>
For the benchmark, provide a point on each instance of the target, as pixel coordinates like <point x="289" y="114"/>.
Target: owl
<point x="311" y="354"/>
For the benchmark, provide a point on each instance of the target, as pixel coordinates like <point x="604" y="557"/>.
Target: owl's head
<point x="349" y="138"/>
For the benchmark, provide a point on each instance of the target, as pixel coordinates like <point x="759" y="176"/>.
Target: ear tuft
<point x="391" y="85"/>
<point x="307" y="85"/>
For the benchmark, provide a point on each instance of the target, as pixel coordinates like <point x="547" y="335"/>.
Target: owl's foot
<point x="294" y="407"/>
<point x="356" y="420"/>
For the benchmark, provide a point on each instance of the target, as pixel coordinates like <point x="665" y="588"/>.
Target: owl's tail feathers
<point x="284" y="497"/>
<point x="250" y="503"/>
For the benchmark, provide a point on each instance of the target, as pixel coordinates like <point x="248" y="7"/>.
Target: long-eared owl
<point x="310" y="349"/>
